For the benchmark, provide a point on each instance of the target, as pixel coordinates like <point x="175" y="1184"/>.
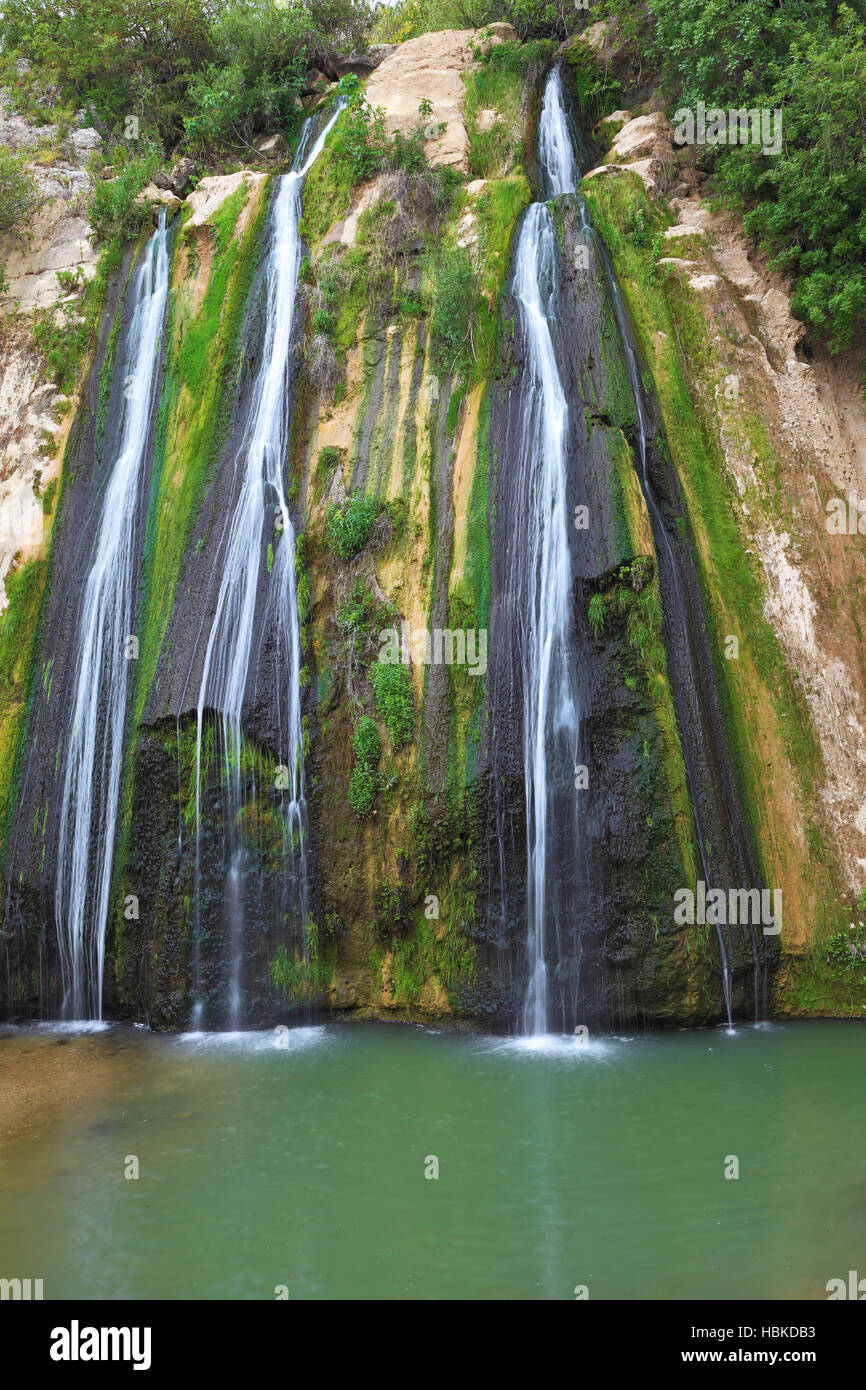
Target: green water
<point x="600" y="1166"/>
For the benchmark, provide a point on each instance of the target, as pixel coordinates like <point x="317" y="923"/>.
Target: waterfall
<point x="249" y="529"/>
<point x="542" y="576"/>
<point x="94" y="744"/>
<point x="551" y="702"/>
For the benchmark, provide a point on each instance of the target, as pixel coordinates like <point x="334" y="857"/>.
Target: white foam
<point x="263" y="1040"/>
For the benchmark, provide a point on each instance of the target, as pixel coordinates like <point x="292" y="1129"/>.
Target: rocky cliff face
<point x="418" y="849"/>
<point x="768" y="435"/>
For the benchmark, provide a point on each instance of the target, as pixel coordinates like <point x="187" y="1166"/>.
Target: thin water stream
<point x="94" y="744"/>
<point x="551" y="696"/>
<point x="259" y="519"/>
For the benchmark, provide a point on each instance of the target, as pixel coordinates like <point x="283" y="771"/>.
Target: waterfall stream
<point x="258" y="519"/>
<point x="543" y="579"/>
<point x="551" y="701"/>
<point x="93" y="752"/>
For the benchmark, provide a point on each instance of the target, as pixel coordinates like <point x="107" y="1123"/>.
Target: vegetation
<point x="17" y="190"/>
<point x="66" y="332"/>
<point x="364" y="781"/>
<point x="348" y="524"/>
<point x="806" y="204"/>
<point x="209" y="71"/>
<point x="393" y="690"/>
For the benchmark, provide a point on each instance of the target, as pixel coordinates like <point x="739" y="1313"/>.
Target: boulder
<point x="83" y="141"/>
<point x="212" y="192"/>
<point x="181" y="175"/>
<point x="431" y="68"/>
<point x="642" y="138"/>
<point x="336" y="65"/>
<point x="271" y="146"/>
<point x="159" y="198"/>
<point x="494" y="34"/>
<point x="315" y="82"/>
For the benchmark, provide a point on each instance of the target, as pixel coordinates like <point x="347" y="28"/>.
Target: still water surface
<point x="559" y="1164"/>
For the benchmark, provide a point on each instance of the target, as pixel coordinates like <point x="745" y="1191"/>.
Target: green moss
<point x="202" y="363"/>
<point x="392" y="686"/>
<point x="19" y="627"/>
<point x="672" y="335"/>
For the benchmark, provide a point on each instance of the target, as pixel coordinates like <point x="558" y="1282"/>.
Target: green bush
<point x="393" y="689"/>
<point x="366" y="743"/>
<point x="112" y="209"/>
<point x="348" y="526"/>
<point x="17" y="190"/>
<point x="455" y="308"/>
<point x="807" y="203"/>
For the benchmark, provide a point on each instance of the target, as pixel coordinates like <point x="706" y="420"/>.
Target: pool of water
<point x="303" y="1165"/>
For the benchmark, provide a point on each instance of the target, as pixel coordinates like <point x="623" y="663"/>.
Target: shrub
<point x="17" y="190"/>
<point x="348" y="526"/>
<point x="112" y="208"/>
<point x="455" y="308"/>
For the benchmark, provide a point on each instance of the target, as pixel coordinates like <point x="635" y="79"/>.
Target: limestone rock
<point x="643" y="137"/>
<point x="430" y="67"/>
<point x="18" y="133"/>
<point x="56" y="240"/>
<point x="159" y="198"/>
<point x="212" y="193"/>
<point x="82" y="142"/>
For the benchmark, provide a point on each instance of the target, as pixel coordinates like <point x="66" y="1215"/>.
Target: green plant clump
<point x="393" y="689"/>
<point x="348" y="524"/>
<point x="364" y="781"/>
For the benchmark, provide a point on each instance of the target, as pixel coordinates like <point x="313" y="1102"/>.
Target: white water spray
<point x="94" y="742"/>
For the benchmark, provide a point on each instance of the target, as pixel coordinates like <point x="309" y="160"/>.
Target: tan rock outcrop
<point x="427" y="68"/>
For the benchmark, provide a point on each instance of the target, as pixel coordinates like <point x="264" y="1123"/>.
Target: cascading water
<point x="551" y="700"/>
<point x="542" y="577"/>
<point x="248" y="531"/>
<point x="90" y="789"/>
